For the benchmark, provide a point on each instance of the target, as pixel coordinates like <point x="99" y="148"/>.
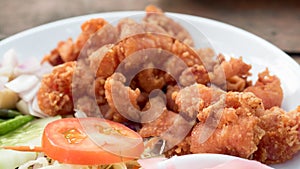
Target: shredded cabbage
<point x="41" y="161"/>
<point x="45" y="163"/>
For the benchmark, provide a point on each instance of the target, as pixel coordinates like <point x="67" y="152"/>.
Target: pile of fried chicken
<point x="209" y="103"/>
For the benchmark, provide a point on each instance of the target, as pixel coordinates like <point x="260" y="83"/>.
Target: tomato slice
<point x="90" y="141"/>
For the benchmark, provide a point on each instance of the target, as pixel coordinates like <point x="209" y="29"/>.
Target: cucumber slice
<point x="29" y="134"/>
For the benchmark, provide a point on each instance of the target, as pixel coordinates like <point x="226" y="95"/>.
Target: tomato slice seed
<point x="74" y="136"/>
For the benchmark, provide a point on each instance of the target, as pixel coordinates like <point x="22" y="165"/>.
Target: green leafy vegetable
<point x="12" y="124"/>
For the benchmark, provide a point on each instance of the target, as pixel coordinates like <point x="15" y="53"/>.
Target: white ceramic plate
<point x="226" y="39"/>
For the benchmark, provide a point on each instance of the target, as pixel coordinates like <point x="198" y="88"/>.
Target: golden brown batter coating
<point x="281" y="140"/>
<point x="138" y="42"/>
<point x="194" y="74"/>
<point x="68" y="50"/>
<point x="224" y="72"/>
<point x="55" y="95"/>
<point x="150" y="79"/>
<point x="155" y="16"/>
<point x="268" y="88"/>
<point x="192" y="99"/>
<point x="229" y="126"/>
<point x="158" y="126"/>
<point x="181" y="148"/>
<point x="117" y="94"/>
<point x="171" y="105"/>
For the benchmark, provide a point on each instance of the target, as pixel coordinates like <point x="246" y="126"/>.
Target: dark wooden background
<point x="277" y="21"/>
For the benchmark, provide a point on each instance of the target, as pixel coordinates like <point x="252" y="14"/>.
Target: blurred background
<point x="276" y="21"/>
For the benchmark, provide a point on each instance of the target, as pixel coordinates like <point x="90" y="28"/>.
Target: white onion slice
<point x="22" y="106"/>
<point x="22" y="83"/>
<point x="35" y="110"/>
<point x="8" y="63"/>
<point x="7" y="71"/>
<point x="34" y="113"/>
<point x="28" y="95"/>
<point x="3" y="80"/>
<point x="10" y="59"/>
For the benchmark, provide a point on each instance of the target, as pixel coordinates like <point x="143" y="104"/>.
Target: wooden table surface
<point x="276" y="21"/>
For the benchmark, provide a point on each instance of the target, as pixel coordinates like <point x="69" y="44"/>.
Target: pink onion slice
<point x="31" y="66"/>
<point x="201" y="162"/>
<point x="241" y="164"/>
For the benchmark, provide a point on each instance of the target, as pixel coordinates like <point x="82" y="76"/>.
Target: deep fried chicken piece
<point x="89" y="67"/>
<point x="129" y="27"/>
<point x="158" y="126"/>
<point x="239" y="125"/>
<point x="224" y="72"/>
<point x="155" y="16"/>
<point x="198" y="73"/>
<point x="194" y="74"/>
<point x="192" y="99"/>
<point x="126" y="47"/>
<point x="100" y="91"/>
<point x="122" y="99"/>
<point x="150" y="79"/>
<point x="282" y="140"/>
<point x="173" y="129"/>
<point x="64" y="50"/>
<point x="112" y="59"/>
<point x="174" y="67"/>
<point x="237" y="83"/>
<point x="171" y="105"/>
<point x="229" y="126"/>
<point x="68" y="50"/>
<point x="181" y="148"/>
<point x="88" y="28"/>
<point x="55" y="95"/>
<point x="267" y="88"/>
<point x="138" y="42"/>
